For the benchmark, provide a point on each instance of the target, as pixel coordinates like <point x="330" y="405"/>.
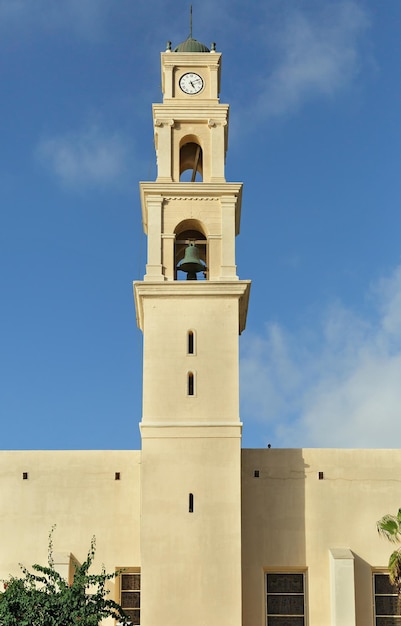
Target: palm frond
<point x="389" y="527"/>
<point x="394" y="569"/>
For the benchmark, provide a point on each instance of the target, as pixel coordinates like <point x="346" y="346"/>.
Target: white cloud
<point x="313" y="54"/>
<point x="336" y="385"/>
<point x="91" y="157"/>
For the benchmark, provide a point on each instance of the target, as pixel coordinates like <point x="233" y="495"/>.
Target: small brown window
<point x="24" y="475"/>
<point x="191" y="384"/>
<point x="190" y="342"/>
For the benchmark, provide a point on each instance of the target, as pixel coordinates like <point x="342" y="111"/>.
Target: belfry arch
<point x="190" y="232"/>
<point x="191" y="158"/>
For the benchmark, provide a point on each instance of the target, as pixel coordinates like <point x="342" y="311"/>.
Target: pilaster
<point x="163" y="129"/>
<point x="342" y="587"/>
<point x="154" y="270"/>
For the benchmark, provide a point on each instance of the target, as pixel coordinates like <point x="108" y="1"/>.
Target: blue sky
<point x="315" y="135"/>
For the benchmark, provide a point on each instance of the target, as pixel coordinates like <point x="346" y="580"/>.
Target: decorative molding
<point x="213" y="123"/>
<point x="197" y="198"/>
<point x="155" y="429"/>
<point x="154" y="288"/>
<point x="159" y="122"/>
<point x="197" y="111"/>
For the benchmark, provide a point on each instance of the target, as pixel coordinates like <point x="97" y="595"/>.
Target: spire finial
<point x="190" y="21"/>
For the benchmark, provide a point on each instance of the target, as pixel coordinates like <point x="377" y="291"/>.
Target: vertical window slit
<point x="190" y="342"/>
<point x="190" y="384"/>
<point x="191" y="503"/>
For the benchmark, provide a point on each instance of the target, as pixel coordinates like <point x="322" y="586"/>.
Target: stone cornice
<point x="193" y="191"/>
<point x="203" y="288"/>
<point x="189" y="192"/>
<point x="185" y="59"/>
<point x="201" y="111"/>
<point x="212" y="123"/>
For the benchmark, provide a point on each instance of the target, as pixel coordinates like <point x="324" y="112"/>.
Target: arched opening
<point x="188" y="233"/>
<point x="191" y="160"/>
<point x="191" y="342"/>
<point x="190" y="384"/>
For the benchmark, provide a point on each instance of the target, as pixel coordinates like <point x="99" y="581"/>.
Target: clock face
<point x="191" y="83"/>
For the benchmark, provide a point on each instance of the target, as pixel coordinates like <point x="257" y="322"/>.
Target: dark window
<point x="190" y="342"/>
<point x="190" y="384"/>
<point x="285" y="604"/>
<point x="130" y="596"/>
<point x="387" y="605"/>
<point x="191" y="503"/>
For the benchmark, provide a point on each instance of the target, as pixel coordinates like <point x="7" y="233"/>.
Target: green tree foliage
<point x="44" y="598"/>
<point x="389" y="526"/>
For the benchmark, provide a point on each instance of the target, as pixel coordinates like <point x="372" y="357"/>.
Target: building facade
<point x="207" y="534"/>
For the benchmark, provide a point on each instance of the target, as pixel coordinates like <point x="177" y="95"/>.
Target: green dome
<point x="191" y="45"/>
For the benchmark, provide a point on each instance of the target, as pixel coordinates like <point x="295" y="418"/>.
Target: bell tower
<point x="190" y="428"/>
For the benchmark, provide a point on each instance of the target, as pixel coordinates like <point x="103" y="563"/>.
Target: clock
<point x="191" y="83"/>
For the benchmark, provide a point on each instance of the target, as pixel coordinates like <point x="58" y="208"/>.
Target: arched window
<point x="191" y="342"/>
<point x="190" y="232"/>
<point x="191" y="160"/>
<point x="191" y="384"/>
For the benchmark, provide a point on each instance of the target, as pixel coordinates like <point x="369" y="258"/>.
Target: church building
<point x="208" y="534"/>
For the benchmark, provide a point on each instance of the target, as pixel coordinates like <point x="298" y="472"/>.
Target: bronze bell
<point x="191" y="263"/>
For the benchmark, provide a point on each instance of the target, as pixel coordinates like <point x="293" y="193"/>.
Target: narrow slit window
<point x="191" y="503"/>
<point x="190" y="342"/>
<point x="191" y="384"/>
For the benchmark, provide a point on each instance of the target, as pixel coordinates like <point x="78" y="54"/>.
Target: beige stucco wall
<point x="191" y="561"/>
<point x="77" y="491"/>
<point x="291" y="520"/>
<point x="212" y="314"/>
